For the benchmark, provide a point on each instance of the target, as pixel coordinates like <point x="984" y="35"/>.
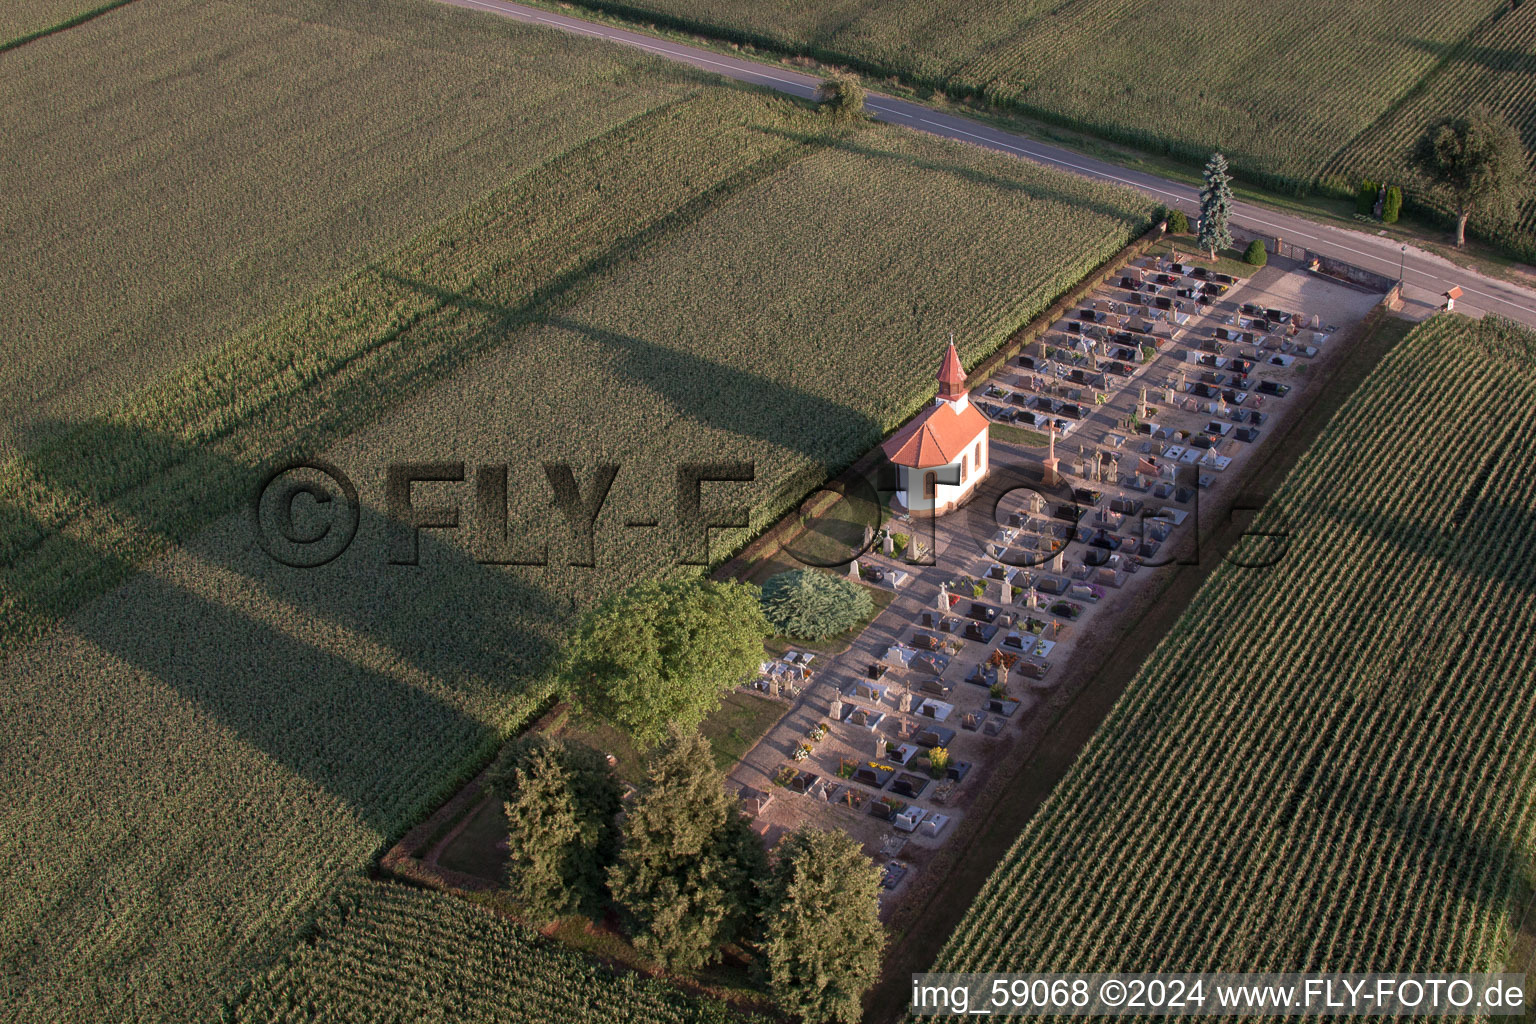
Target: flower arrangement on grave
<point x="998" y="690"/>
<point x="786" y="775"/>
<point x="978" y="589"/>
<point x="938" y="760"/>
<point x="802" y="752"/>
<point x="817" y="732"/>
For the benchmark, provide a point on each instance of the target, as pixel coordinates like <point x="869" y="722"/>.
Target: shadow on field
<point x="373" y="681"/>
<point x="720" y="396"/>
<point x="1494" y="58"/>
<point x="1450" y="546"/>
<point x="739" y="401"/>
<point x="970" y="175"/>
<point x="1476" y="861"/>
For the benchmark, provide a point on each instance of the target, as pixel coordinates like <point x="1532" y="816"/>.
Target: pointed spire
<point x="951" y="374"/>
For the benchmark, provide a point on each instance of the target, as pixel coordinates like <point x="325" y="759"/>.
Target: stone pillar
<point x="1052" y="463"/>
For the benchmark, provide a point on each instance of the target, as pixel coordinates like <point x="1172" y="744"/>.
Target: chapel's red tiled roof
<point x="937" y="436"/>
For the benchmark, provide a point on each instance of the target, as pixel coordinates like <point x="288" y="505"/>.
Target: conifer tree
<point x="823" y="937"/>
<point x="561" y="802"/>
<point x="687" y="874"/>
<point x="1216" y="206"/>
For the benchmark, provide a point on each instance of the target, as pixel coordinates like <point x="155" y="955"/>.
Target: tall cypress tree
<point x="1216" y="206"/>
<point x="687" y="874"/>
<point x="560" y="801"/>
<point x="823" y="937"/>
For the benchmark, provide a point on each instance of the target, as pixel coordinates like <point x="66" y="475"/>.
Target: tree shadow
<point x="375" y="682"/>
<point x="723" y="397"/>
<point x="1477" y="862"/>
<point x="739" y="401"/>
<point x="1505" y="60"/>
<point x="1449" y="544"/>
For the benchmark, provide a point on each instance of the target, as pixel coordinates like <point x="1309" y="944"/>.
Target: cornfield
<point x="161" y="201"/>
<point x="387" y="954"/>
<point x="1495" y="67"/>
<point x="221" y="742"/>
<point x="1330" y="765"/>
<point x="24" y="19"/>
<point x="1279" y="95"/>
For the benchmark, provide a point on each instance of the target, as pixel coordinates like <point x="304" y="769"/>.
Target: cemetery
<point x="1153" y="395"/>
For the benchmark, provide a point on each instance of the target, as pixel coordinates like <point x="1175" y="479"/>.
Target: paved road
<point x="1425" y="275"/>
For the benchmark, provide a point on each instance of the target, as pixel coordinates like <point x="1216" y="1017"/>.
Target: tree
<point x="686" y="877"/>
<point x="1215" y="206"/>
<point x="1365" y="199"/>
<point x="812" y="605"/>
<point x="1256" y="255"/>
<point x="842" y="96"/>
<point x="560" y="801"/>
<point x="662" y="653"/>
<point x="822" y="932"/>
<point x="1178" y="222"/>
<point x="1392" y="206"/>
<point x="1477" y="161"/>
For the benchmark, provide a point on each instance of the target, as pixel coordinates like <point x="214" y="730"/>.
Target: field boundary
<point x="1324" y="183"/>
<point x="46" y="604"/>
<point x="65" y="25"/>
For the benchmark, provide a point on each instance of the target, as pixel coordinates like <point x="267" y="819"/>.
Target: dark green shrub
<point x="1392" y="207"/>
<point x="1178" y="223"/>
<point x="1256" y="255"/>
<point x="1365" y="200"/>
<point x="808" y="604"/>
